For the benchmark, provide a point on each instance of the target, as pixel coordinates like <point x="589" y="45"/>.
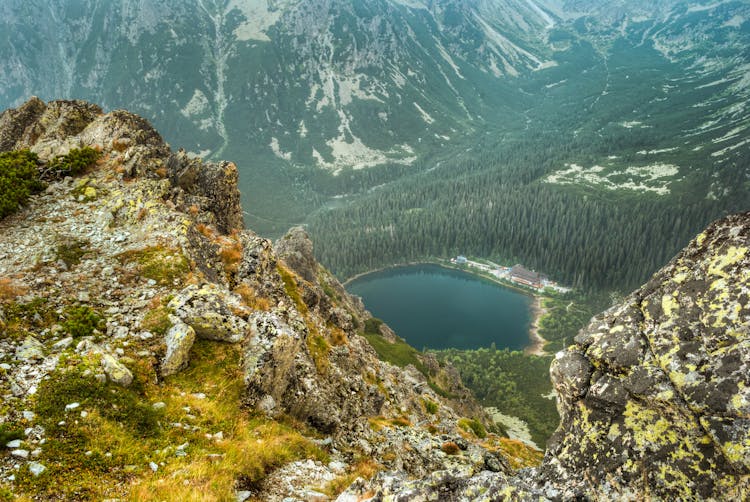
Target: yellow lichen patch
<point x="617" y="329"/>
<point x="700" y="238"/>
<point x="669" y="305"/>
<point x="680" y="277"/>
<point x="647" y="426"/>
<point x="732" y="255"/>
<point x="737" y="452"/>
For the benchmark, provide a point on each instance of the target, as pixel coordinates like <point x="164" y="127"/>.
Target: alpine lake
<point x="434" y="307"/>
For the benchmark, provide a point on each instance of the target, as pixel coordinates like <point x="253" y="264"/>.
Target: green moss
<point x="430" y="406"/>
<point x="398" y="353"/>
<point x="319" y="348"/>
<point x="23" y="317"/>
<point x="126" y="406"/>
<point x="290" y="286"/>
<point x="75" y="162"/>
<point x="81" y="321"/>
<point x="9" y="433"/>
<point x="157" y="320"/>
<point x="166" y="265"/>
<point x="71" y="251"/>
<point x="19" y="178"/>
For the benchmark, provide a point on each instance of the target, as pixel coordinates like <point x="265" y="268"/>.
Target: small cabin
<point x="461" y="260"/>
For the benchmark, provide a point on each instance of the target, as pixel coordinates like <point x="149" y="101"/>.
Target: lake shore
<point x="537" y="342"/>
<point x="536" y="346"/>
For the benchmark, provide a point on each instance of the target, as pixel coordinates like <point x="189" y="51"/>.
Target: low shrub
<point x="474" y="426"/>
<point x="81" y="321"/>
<point x="19" y="178"/>
<point x="75" y="162"/>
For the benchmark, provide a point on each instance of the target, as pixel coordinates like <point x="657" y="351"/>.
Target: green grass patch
<point x="167" y="266"/>
<point x="105" y="453"/>
<point x="290" y="286"/>
<point x="71" y="251"/>
<point x="473" y="426"/>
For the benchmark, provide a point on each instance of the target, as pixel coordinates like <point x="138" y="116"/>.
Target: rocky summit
<point x="152" y="348"/>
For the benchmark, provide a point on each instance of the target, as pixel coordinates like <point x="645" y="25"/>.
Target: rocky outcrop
<point x="655" y="394"/>
<point x="212" y="186"/>
<point x="146" y="247"/>
<point x="136" y="148"/>
<point x="296" y="249"/>
<point x="212" y="311"/>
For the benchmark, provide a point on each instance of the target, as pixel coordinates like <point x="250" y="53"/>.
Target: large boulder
<point x="212" y="311"/>
<point x="655" y="394"/>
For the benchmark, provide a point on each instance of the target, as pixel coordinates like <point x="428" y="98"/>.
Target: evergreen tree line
<point x="580" y="239"/>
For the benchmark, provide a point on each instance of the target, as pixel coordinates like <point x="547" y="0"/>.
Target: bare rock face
<point x="296" y="249"/>
<point x="655" y="395"/>
<point x="211" y="186"/>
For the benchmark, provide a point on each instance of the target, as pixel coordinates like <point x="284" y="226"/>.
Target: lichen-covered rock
<point x="212" y="312"/>
<point x="116" y="371"/>
<point x="179" y="340"/>
<point x="655" y="395"/>
<point x="30" y="349"/>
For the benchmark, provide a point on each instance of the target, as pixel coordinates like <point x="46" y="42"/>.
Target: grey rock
<point x="179" y="340"/>
<point x="36" y="468"/>
<point x="31" y="349"/>
<point x="116" y="371"/>
<point x="296" y="249"/>
<point x="210" y="311"/>
<point x="63" y="344"/>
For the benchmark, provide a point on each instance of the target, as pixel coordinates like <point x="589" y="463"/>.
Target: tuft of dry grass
<point x="365" y="469"/>
<point x="518" y="453"/>
<point x="251" y="299"/>
<point x="450" y="448"/>
<point x="10" y="290"/>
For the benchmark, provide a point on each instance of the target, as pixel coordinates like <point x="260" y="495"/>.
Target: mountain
<point x="345" y="104"/>
<point x="153" y="348"/>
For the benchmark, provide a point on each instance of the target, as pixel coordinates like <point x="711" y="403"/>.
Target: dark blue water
<point x="437" y="308"/>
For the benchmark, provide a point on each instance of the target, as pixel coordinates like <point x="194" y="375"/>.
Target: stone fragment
<point x="179" y="339"/>
<point x="36" y="468"/>
<point x="30" y="349"/>
<point x="116" y="371"/>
